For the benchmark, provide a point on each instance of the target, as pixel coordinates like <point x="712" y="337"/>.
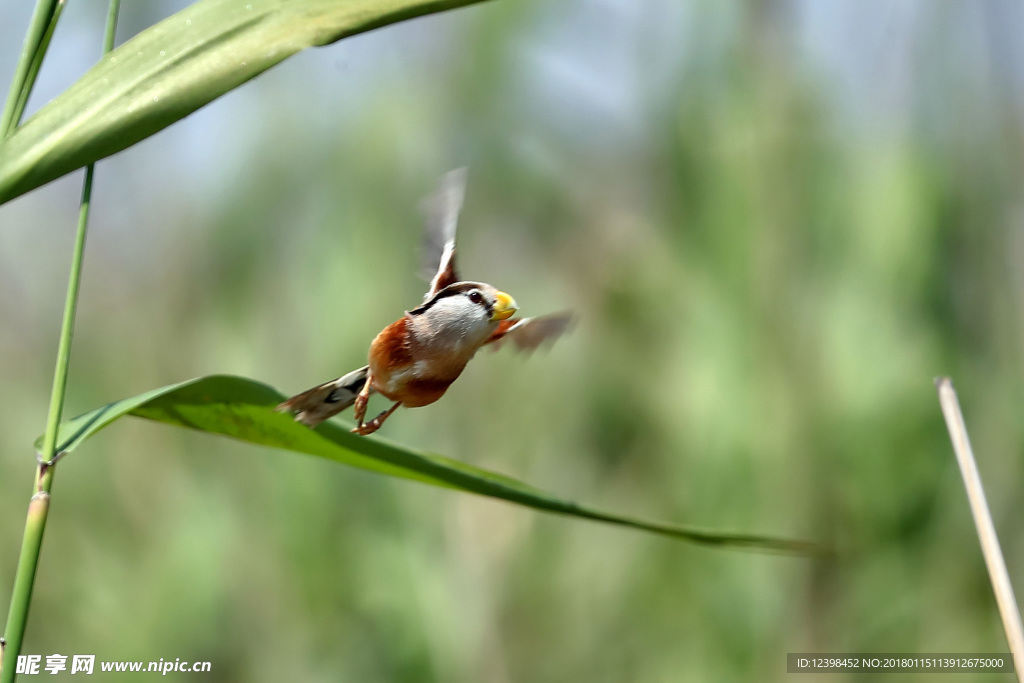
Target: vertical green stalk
<point x="44" y="19"/>
<point x="33" y="70"/>
<point x="39" y="506"/>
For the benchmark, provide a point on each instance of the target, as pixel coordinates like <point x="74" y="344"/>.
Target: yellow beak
<point x="504" y="307"/>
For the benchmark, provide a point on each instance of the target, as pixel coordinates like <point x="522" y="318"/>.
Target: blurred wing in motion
<point x="315" y="405"/>
<point x="442" y="213"/>
<point x="528" y="334"/>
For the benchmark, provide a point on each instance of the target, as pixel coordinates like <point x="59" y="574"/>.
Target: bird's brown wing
<point x="442" y="214"/>
<point x="528" y="334"/>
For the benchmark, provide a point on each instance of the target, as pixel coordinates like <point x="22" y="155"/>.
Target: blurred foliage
<point x="778" y="221"/>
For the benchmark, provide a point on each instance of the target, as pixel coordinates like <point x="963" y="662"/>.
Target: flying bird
<point x="415" y="359"/>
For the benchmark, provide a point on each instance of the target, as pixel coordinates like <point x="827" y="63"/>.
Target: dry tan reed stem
<point x="983" y="522"/>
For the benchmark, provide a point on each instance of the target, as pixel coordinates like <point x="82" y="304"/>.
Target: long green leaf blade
<point x="244" y="409"/>
<point x="175" y="67"/>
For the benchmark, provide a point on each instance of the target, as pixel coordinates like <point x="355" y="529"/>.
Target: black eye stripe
<point x="488" y="306"/>
<point x="452" y="290"/>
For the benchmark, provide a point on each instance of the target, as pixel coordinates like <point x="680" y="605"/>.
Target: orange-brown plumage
<point x="502" y="329"/>
<point x="393" y="355"/>
<point x="391" y="348"/>
<point x="415" y="359"/>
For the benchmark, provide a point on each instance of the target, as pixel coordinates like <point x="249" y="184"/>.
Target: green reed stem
<point x="39" y="506"/>
<point x="37" y="39"/>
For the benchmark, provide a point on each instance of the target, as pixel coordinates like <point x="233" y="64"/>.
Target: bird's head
<point x="464" y="311"/>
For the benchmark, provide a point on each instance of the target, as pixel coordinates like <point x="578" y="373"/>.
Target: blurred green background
<point x="777" y="222"/>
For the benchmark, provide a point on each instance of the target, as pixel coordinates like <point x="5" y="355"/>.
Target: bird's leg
<point x="373" y="425"/>
<point x="360" y="403"/>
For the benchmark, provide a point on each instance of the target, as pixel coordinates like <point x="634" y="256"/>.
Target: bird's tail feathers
<point x="315" y="405"/>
